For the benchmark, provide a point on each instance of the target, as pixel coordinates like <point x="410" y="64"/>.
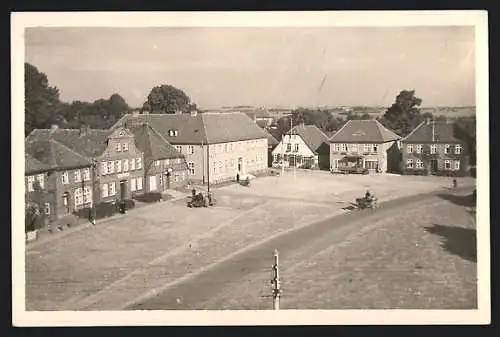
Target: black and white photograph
<point x="250" y="167"/>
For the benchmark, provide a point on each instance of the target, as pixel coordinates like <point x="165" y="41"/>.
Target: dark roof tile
<point x="312" y="136"/>
<point x="364" y="131"/>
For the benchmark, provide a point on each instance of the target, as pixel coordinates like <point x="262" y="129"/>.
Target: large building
<point x="217" y="146"/>
<point x="57" y="179"/>
<point x="435" y="148"/>
<point x="366" y="144"/>
<point x="164" y="166"/>
<point x="305" y="146"/>
<point x="116" y="161"/>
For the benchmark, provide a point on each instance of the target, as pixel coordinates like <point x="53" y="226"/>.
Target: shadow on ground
<point x="460" y="200"/>
<point x="456" y="240"/>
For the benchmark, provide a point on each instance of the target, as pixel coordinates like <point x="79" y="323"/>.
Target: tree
<point x="41" y="100"/>
<point x="167" y="99"/>
<point x="404" y="114"/>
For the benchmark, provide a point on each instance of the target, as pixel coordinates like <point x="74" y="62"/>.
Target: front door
<point x="168" y="180"/>
<point x="240" y="164"/>
<point x="152" y="183"/>
<point x="123" y="189"/>
<point x="434" y="166"/>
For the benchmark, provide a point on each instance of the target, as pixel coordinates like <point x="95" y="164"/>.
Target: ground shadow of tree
<point x="460" y="200"/>
<point x="456" y="240"/>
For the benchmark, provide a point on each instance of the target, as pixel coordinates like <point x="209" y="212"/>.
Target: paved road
<point x="306" y="241"/>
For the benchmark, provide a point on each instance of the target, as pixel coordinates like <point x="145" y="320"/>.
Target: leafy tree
<point x="167" y="99"/>
<point x="404" y="114"/>
<point x="41" y="100"/>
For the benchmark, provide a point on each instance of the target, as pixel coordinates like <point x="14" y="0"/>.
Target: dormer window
<point x="173" y="133"/>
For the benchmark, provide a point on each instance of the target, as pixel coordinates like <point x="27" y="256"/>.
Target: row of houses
<point x="145" y="153"/>
<point x="431" y="148"/>
<point x="141" y="153"/>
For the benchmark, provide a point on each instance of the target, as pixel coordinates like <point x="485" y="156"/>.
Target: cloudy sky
<point x="259" y="66"/>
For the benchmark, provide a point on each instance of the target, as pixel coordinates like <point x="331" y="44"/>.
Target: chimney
<point x="194" y="112"/>
<point x="84" y="130"/>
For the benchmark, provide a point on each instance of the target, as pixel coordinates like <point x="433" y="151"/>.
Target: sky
<point x="291" y="67"/>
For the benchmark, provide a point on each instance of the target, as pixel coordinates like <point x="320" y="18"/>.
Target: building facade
<point x="66" y="180"/>
<point x="365" y="144"/>
<point x="164" y="167"/>
<point x="116" y="165"/>
<point x="216" y="146"/>
<point x="434" y="148"/>
<point x="305" y="146"/>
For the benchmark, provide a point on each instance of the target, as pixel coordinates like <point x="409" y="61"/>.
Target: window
<point x="133" y="185"/>
<point x="40" y="180"/>
<point x="118" y="165"/>
<point x="178" y="160"/>
<point x="447" y="164"/>
<point x="371" y="164"/>
<point x="375" y="147"/>
<point x="87" y="195"/>
<point x="152" y="183"/>
<point x="157" y="163"/>
<point x="31" y="180"/>
<point x="161" y="179"/>
<point x="104" y="190"/>
<point x="138" y="163"/>
<point x="288" y="147"/>
<point x="125" y="165"/>
<point x="343" y="147"/>
<point x="64" y="177"/>
<point x="447" y="148"/>
<point x="112" y="188"/>
<point x="419" y="148"/>
<point x="104" y="168"/>
<point x="118" y="147"/>
<point x="166" y="162"/>
<point x="111" y="166"/>
<point x="46" y="209"/>
<point x="409" y="163"/>
<point x="354" y="147"/>
<point x="335" y="163"/>
<point x="86" y="174"/>
<point x="132" y="164"/>
<point x="367" y="147"/>
<point x="183" y="175"/>
<point x="78" y="176"/>
<point x="296" y="148"/>
<point x="214" y="167"/>
<point x="139" y="183"/>
<point x="458" y="149"/>
<point x="191" y="168"/>
<point x="433" y="149"/>
<point x="225" y="147"/>
<point x="178" y="148"/>
<point x="409" y="148"/>
<point x="125" y="146"/>
<point x="336" y="147"/>
<point x="78" y="197"/>
<point x="457" y="164"/>
<point x="419" y="164"/>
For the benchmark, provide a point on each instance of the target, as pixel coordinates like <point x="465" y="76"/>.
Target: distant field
<point x="452" y="112"/>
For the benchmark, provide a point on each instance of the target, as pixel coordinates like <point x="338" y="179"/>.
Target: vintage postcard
<point x="250" y="168"/>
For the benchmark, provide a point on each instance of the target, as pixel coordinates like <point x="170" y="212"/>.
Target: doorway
<point x="123" y="189"/>
<point x="240" y="164"/>
<point x="434" y="166"/>
<point x="168" y="180"/>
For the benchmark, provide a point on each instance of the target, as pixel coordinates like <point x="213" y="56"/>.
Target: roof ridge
<point x="343" y="126"/>
<point x="413" y="131"/>
<point x="381" y="134"/>
<point x="205" y="128"/>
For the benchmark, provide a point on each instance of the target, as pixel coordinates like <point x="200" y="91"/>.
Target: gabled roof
<point x="444" y="132"/>
<point x="32" y="165"/>
<point x="271" y="141"/>
<point x="152" y="143"/>
<point x="364" y="131"/>
<point x="54" y="155"/>
<point x="90" y="144"/>
<point x="311" y="135"/>
<point x="207" y="128"/>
